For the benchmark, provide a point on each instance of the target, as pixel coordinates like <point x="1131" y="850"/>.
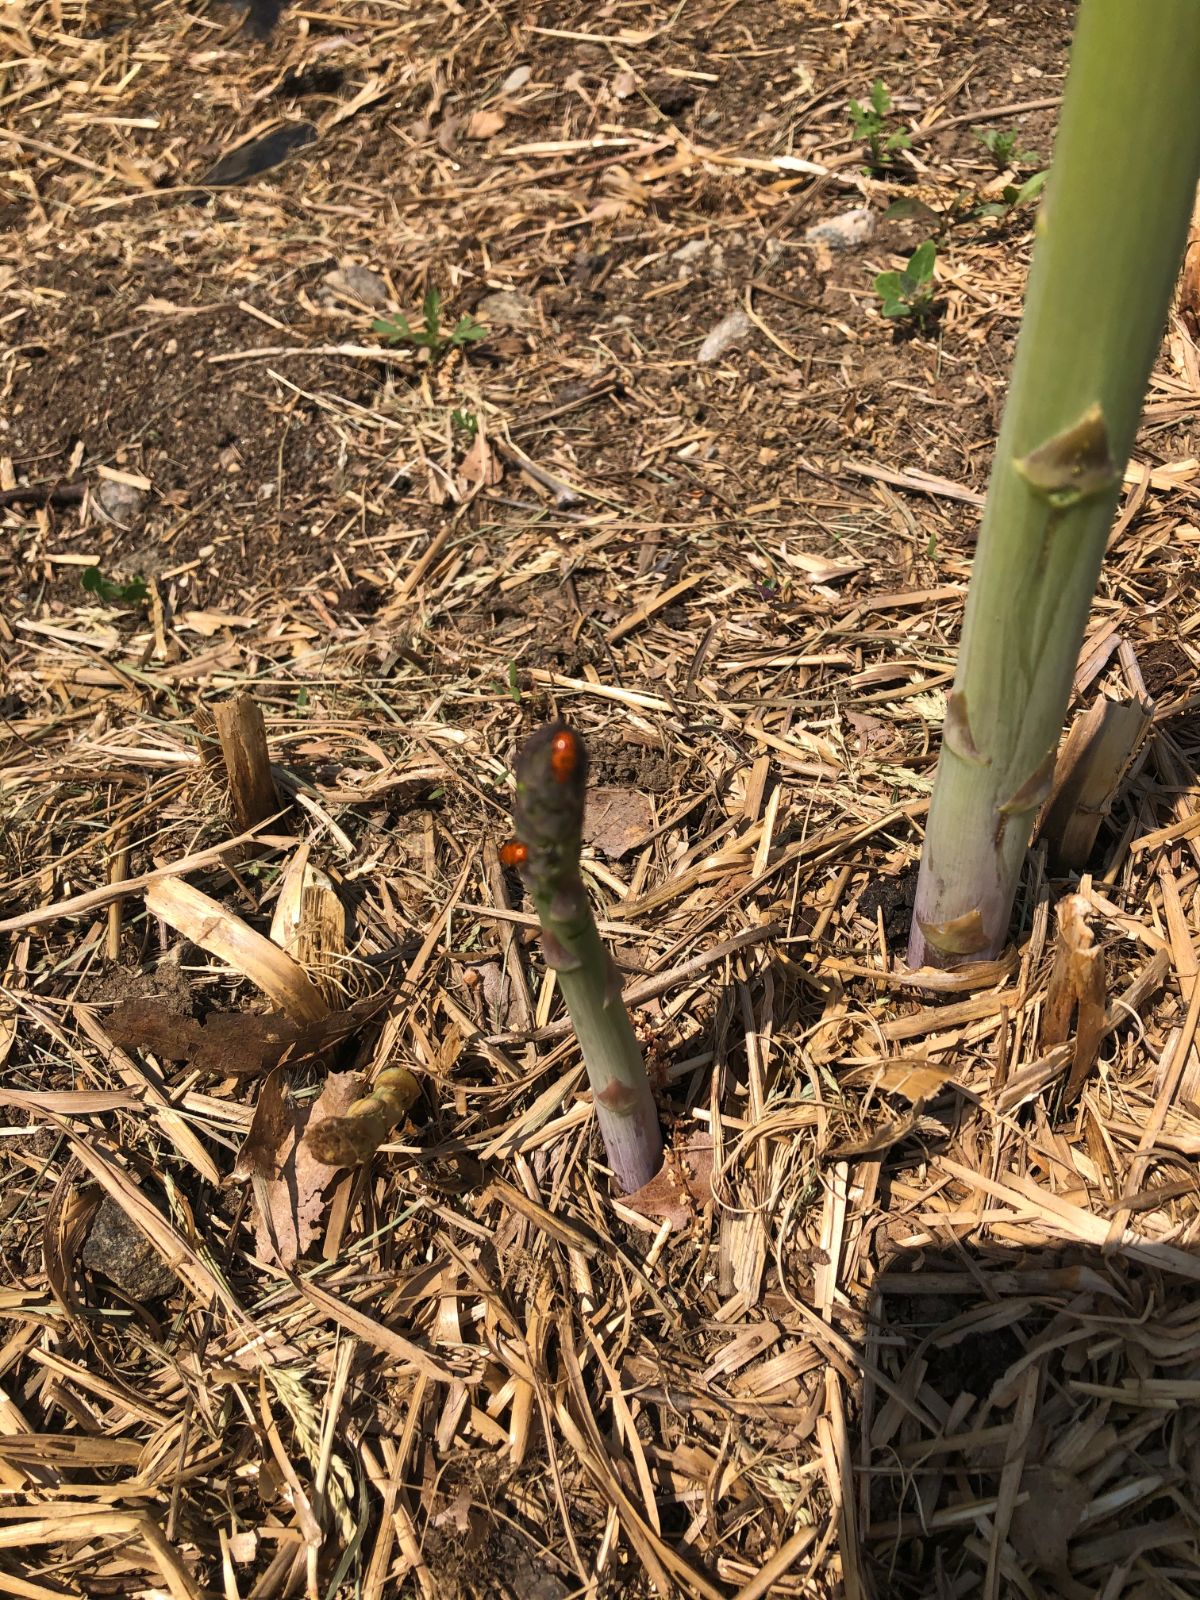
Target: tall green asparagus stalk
<point x="551" y="789"/>
<point x="1108" y="242"/>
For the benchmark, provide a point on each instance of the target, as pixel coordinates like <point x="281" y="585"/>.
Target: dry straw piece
<point x="206" y="923"/>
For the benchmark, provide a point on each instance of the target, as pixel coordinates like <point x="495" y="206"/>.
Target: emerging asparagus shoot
<point x="1109" y="237"/>
<point x="551" y="790"/>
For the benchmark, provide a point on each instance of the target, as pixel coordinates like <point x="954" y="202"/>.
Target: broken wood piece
<point x="243" y="736"/>
<point x="310" y="923"/>
<point x="1096" y="755"/>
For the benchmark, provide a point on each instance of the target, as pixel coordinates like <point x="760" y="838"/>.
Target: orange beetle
<point x="514" y="854"/>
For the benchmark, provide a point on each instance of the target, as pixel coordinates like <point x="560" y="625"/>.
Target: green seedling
<point x="1013" y="196"/>
<point x="1002" y="147"/>
<point x="966" y="207"/>
<point x="125" y="594"/>
<point x="872" y="124"/>
<point x="430" y="335"/>
<point x="467" y="421"/>
<point x="909" y="294"/>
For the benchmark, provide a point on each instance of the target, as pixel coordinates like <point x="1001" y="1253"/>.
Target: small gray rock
<point x="844" y="232"/>
<point x="360" y="283"/>
<point x="119" y="503"/>
<point x="691" y="251"/>
<point x="120" y="1250"/>
<point x="729" y="331"/>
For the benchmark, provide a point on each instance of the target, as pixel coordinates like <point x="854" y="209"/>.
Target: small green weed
<point x="125" y="594"/>
<point x="1013" y="196"/>
<point x="430" y="335"/>
<point x="966" y="207"/>
<point x="1002" y="147"/>
<point x="873" y="124"/>
<point x="909" y="294"/>
<point x="467" y="421"/>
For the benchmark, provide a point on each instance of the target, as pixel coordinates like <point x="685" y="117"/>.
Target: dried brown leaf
<point x="231" y="1043"/>
<point x="290" y="1204"/>
<point x="682" y="1185"/>
<point x="915" y="1080"/>
<point x="616" y="820"/>
<point x="270" y="1126"/>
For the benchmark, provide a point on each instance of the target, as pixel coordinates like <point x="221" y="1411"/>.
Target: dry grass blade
<point x="208" y="924"/>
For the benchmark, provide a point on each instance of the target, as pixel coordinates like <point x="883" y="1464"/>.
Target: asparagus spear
<point x="551" y="788"/>
<point x="1108" y="243"/>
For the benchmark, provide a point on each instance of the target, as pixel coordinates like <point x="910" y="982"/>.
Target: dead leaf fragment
<point x="484" y="124"/>
<point x="231" y="1044"/>
<point x="479" y="468"/>
<point x="891" y="1133"/>
<point x="290" y="1203"/>
<point x="616" y="821"/>
<point x="1047" y="1518"/>
<point x="915" y="1080"/>
<point x="681" y="1186"/>
<point x="270" y="1127"/>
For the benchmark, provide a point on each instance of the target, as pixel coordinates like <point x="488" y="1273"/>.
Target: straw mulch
<point x="931" y="1330"/>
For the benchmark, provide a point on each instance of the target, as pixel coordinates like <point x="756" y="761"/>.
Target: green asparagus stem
<point x="1108" y="244"/>
<point x="551" y="789"/>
